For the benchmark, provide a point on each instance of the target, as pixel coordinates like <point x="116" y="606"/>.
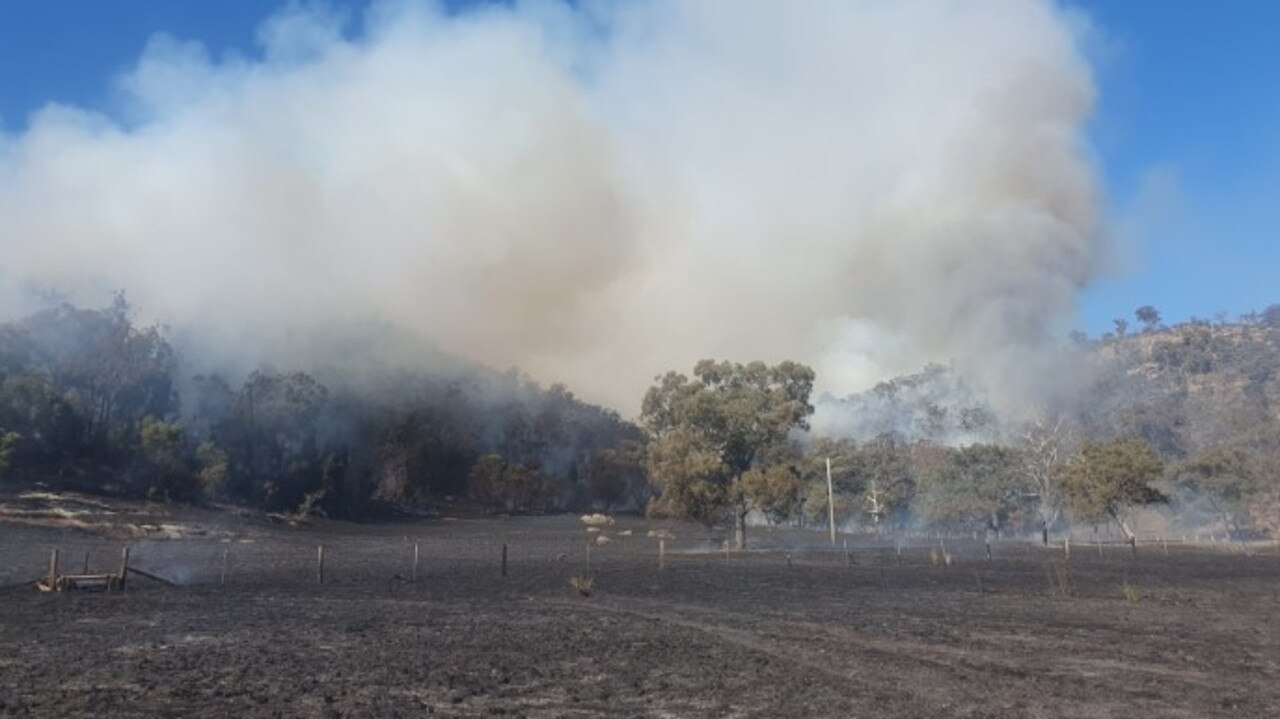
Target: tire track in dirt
<point x="870" y="688"/>
<point x="954" y="679"/>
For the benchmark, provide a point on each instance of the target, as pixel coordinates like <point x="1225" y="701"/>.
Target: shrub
<point x="1130" y="592"/>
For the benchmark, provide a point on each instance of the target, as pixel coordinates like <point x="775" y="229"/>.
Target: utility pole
<point x="831" y="504"/>
<point x="873" y="501"/>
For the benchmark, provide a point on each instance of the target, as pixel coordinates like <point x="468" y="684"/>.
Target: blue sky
<point x="1185" y="131"/>
<point x="1186" y="136"/>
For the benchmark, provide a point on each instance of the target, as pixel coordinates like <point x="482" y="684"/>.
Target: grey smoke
<point x="594" y="194"/>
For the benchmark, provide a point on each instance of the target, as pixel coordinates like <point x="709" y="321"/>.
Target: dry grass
<point x="1060" y="581"/>
<point x="584" y="586"/>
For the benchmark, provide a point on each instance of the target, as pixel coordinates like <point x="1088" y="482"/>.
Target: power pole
<point x="831" y="504"/>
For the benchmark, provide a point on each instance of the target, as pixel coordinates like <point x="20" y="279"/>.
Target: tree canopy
<point x="97" y="402"/>
<point x="1224" y="478"/>
<point x="720" y="441"/>
<point x="7" y="442"/>
<point x="1105" y="479"/>
<point x="977" y="482"/>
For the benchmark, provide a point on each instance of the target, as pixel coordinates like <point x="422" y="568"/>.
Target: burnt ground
<point x="790" y="630"/>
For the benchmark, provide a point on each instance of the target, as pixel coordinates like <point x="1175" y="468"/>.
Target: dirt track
<point x="793" y="631"/>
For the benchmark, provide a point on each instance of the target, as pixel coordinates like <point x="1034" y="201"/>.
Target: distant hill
<point x="935" y="404"/>
<point x="1187" y="387"/>
<point x="1183" y="388"/>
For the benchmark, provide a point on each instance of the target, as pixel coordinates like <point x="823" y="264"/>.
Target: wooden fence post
<point x="53" y="568"/>
<point x="124" y="565"/>
<point x="320" y="564"/>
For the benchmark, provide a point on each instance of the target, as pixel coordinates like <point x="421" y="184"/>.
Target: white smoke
<point x="594" y="194"/>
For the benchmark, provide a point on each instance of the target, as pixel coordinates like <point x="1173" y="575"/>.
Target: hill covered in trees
<point x="91" y="401"/>
<point x="1203" y="396"/>
<point x="1184" y="416"/>
<point x="1183" y="388"/>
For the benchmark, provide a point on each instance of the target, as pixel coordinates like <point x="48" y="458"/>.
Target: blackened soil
<point x="792" y="629"/>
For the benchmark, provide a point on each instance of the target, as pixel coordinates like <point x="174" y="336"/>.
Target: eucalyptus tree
<point x="720" y="441"/>
<point x="1106" y="479"/>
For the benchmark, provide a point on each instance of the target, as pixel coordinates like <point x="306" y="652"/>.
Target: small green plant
<point x="584" y="586"/>
<point x="1131" y="592"/>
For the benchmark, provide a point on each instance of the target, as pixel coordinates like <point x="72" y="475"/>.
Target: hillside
<point x="93" y="402"/>
<point x="1187" y="387"/>
<point x="1182" y="388"/>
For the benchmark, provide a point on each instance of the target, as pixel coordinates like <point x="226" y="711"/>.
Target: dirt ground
<point x="793" y="628"/>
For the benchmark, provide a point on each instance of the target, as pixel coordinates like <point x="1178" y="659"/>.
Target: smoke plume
<point x="595" y="194"/>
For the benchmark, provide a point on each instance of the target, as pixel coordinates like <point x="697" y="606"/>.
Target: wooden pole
<point x="414" y="576"/>
<point x="320" y="564"/>
<point x="222" y="578"/>
<point x="53" y="568"/>
<point x="662" y="554"/>
<point x="848" y="560"/>
<point x="831" y="504"/>
<point x="124" y="565"/>
<point x="1066" y="547"/>
<point x="504" y="558"/>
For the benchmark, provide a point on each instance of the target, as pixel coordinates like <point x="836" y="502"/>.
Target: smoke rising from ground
<point x="595" y="195"/>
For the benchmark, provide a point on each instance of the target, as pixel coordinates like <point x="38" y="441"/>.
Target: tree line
<point x="731" y="440"/>
<point x="92" y="401"/>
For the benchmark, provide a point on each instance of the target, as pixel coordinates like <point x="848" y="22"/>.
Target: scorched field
<point x="793" y="627"/>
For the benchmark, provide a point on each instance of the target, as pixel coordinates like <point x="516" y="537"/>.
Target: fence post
<point x="124" y="565"/>
<point x="53" y="568"/>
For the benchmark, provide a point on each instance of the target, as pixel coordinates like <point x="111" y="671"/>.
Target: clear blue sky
<point x="1189" y="96"/>
<point x="1187" y="132"/>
